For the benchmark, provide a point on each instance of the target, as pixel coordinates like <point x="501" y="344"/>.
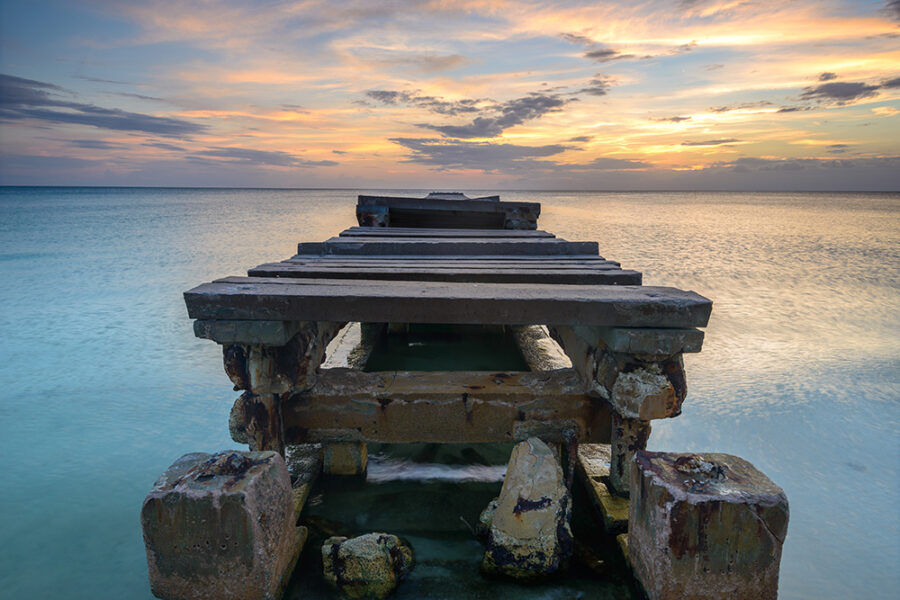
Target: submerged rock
<point x="483" y="525"/>
<point x="368" y="566"/>
<point x="529" y="535"/>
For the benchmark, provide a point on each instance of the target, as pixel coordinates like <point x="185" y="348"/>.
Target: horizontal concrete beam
<point x="264" y="333"/>
<point x="444" y="407"/>
<point x="648" y="340"/>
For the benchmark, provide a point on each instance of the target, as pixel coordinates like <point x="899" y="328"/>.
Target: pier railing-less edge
<point x="605" y="359"/>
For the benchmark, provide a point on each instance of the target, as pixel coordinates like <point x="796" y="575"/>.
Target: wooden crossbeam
<point x="266" y="298"/>
<point x="605" y="275"/>
<point x="338" y="246"/>
<point x="347" y="406"/>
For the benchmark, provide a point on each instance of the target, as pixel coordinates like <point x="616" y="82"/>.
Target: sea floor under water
<point x="431" y="495"/>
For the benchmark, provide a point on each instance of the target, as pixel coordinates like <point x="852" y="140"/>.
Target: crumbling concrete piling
<point x="704" y="527"/>
<point x="221" y="527"/>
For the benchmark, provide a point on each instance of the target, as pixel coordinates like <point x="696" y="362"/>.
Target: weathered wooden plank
<point x="451" y="246"/>
<point x="496" y="275"/>
<point x="465" y="214"/>
<point x="444" y="407"/>
<point x="266" y="298"/>
<point x="492" y="262"/>
<point x="424" y="232"/>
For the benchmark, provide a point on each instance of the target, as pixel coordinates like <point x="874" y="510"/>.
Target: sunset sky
<point x="690" y="94"/>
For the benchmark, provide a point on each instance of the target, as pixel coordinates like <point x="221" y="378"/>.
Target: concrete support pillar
<point x="345" y="459"/>
<point x="705" y="526"/>
<point x="262" y="421"/>
<point x="628" y="436"/>
<point x="222" y="526"/>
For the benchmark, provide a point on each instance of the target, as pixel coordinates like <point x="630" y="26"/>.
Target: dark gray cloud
<point x="675" y="119"/>
<point x="891" y="83"/>
<point x="608" y="54"/>
<point x="164" y="146"/>
<point x="98" y="80"/>
<point x="28" y="99"/>
<point x="599" y="86"/>
<point x="838" y="148"/>
<point x="827" y="76"/>
<point x="338" y="152"/>
<point x="432" y="103"/>
<point x="94" y="144"/>
<point x="748" y="164"/>
<point x="141" y="97"/>
<point x="581" y="138"/>
<point x="710" y="142"/>
<point x="714" y="67"/>
<point x="484" y="156"/>
<point x="511" y="113"/>
<point x="616" y="164"/>
<point x="839" y="92"/>
<point x="741" y="106"/>
<point x="261" y="157"/>
<point x="788" y="109"/>
<point x="577" y="38"/>
<point x="892" y="9"/>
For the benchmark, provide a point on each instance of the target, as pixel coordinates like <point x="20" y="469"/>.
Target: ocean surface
<point x="105" y="384"/>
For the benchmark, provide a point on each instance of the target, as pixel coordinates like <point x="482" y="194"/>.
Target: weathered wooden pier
<point x="604" y="357"/>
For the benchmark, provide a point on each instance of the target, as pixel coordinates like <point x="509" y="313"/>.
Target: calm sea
<point x="106" y="384"/>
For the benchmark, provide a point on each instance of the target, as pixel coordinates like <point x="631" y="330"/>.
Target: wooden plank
<point x="265" y="298"/>
<point x="457" y="261"/>
<point x="604" y="276"/>
<point x="462" y="246"/>
<point x="474" y="205"/>
<point x="444" y="407"/>
<point x="421" y="232"/>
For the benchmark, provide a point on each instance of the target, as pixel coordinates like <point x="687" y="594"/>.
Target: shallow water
<point x="106" y="385"/>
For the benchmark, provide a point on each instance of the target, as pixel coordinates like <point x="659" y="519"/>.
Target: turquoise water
<point x="106" y="385"/>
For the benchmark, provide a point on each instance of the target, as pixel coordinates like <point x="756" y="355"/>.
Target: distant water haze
<point x="106" y="384"/>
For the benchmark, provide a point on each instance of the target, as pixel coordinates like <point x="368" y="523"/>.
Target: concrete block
<point x="628" y="436"/>
<point x="345" y="459"/>
<point x="221" y="526"/>
<point x="704" y="527"/>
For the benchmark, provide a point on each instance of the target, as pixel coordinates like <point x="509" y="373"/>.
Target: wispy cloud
<point x="710" y="142"/>
<point x="29" y="99"/>
<point x="262" y="157"/>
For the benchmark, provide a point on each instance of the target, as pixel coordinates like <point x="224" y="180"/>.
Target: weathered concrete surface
<point x="264" y="369"/>
<point x="368" y="566"/>
<point x="459" y="406"/>
<point x="352" y="346"/>
<point x="257" y="419"/>
<point x="651" y="386"/>
<point x="530" y="536"/>
<point x="540" y="351"/>
<point x="648" y="341"/>
<point x="221" y="526"/>
<point x="704" y="527"/>
<point x="304" y="463"/>
<point x="628" y="436"/>
<point x="592" y="466"/>
<point x="265" y="333"/>
<point x="345" y="459"/>
<point x="645" y="393"/>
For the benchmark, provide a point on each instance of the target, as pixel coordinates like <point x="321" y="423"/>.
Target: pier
<point x="307" y="343"/>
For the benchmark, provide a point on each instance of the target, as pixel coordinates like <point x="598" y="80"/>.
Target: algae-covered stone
<point x="483" y="525"/>
<point x="368" y="566"/>
<point x="222" y="527"/>
<point x="705" y="526"/>
<point x="530" y="536"/>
